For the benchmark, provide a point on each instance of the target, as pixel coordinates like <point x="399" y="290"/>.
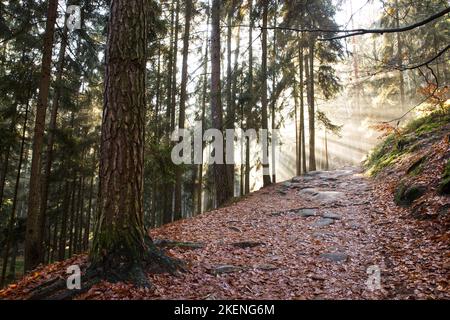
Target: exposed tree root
<point x="112" y="270"/>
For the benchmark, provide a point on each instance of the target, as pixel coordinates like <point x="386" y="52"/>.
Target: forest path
<point x="314" y="237"/>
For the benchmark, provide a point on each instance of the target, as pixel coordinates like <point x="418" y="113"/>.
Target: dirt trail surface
<point x="314" y="237"/>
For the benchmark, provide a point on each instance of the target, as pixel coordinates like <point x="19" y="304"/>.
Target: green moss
<point x="386" y="154"/>
<point x="417" y="167"/>
<point x="444" y="186"/>
<point x="395" y="146"/>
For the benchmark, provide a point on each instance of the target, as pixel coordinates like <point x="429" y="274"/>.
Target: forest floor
<point x="314" y="237"/>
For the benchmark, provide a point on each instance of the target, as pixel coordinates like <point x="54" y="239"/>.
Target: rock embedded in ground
<point x="330" y="215"/>
<point x="307" y="213"/>
<point x="266" y="267"/>
<point x="309" y="192"/>
<point x="328" y="196"/>
<point x="225" y="269"/>
<point x="324" y="222"/>
<point x="406" y="195"/>
<point x="323" y="196"/>
<point x="335" y="256"/>
<point x="247" y="244"/>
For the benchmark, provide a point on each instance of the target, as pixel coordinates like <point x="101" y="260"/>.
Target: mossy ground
<point x="409" y="140"/>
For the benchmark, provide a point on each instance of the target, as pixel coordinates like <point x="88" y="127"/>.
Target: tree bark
<point x="34" y="232"/>
<point x="177" y="215"/>
<point x="204" y="99"/>
<point x="121" y="246"/>
<point x="251" y="96"/>
<point x="264" y="103"/>
<point x="52" y="126"/>
<point x="302" y="110"/>
<point x="311" y="111"/>
<point x="12" y="218"/>
<point x="274" y="96"/>
<point x="220" y="170"/>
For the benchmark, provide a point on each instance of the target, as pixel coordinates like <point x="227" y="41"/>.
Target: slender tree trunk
<point x="73" y="211"/>
<point x="87" y="228"/>
<point x="302" y="111"/>
<point x="12" y="218"/>
<point x="251" y="96"/>
<point x="274" y="96"/>
<point x="52" y="126"/>
<point x="65" y="214"/>
<point x="265" y="126"/>
<point x="33" y="239"/>
<point x="327" y="163"/>
<point x="203" y="115"/>
<point x="297" y="132"/>
<point x="177" y="215"/>
<point x="311" y="111"/>
<point x="220" y="170"/>
<point x="400" y="56"/>
<point x="170" y="65"/>
<point x="230" y="118"/>
<point x="174" y="71"/>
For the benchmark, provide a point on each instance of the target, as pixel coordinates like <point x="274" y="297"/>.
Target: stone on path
<point x="324" y="196"/>
<point x="307" y="213"/>
<point x="266" y="267"/>
<point x="225" y="269"/>
<point x="324" y="222"/>
<point x="330" y="215"/>
<point x="335" y="256"/>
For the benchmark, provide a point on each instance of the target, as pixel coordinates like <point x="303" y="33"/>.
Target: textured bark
<point x="264" y="103"/>
<point x="220" y="170"/>
<point x="177" y="215"/>
<point x="120" y="227"/>
<point x="121" y="247"/>
<point x="34" y="232"/>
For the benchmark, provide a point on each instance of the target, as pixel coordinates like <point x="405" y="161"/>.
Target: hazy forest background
<point x="281" y="67"/>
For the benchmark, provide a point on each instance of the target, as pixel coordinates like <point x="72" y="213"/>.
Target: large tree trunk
<point x="265" y="126"/>
<point x="119" y="233"/>
<point x="177" y="215"/>
<point x="121" y="246"/>
<point x="33" y="240"/>
<point x="220" y="170"/>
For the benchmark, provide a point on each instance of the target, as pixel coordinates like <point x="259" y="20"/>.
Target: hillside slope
<point x="414" y="164"/>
